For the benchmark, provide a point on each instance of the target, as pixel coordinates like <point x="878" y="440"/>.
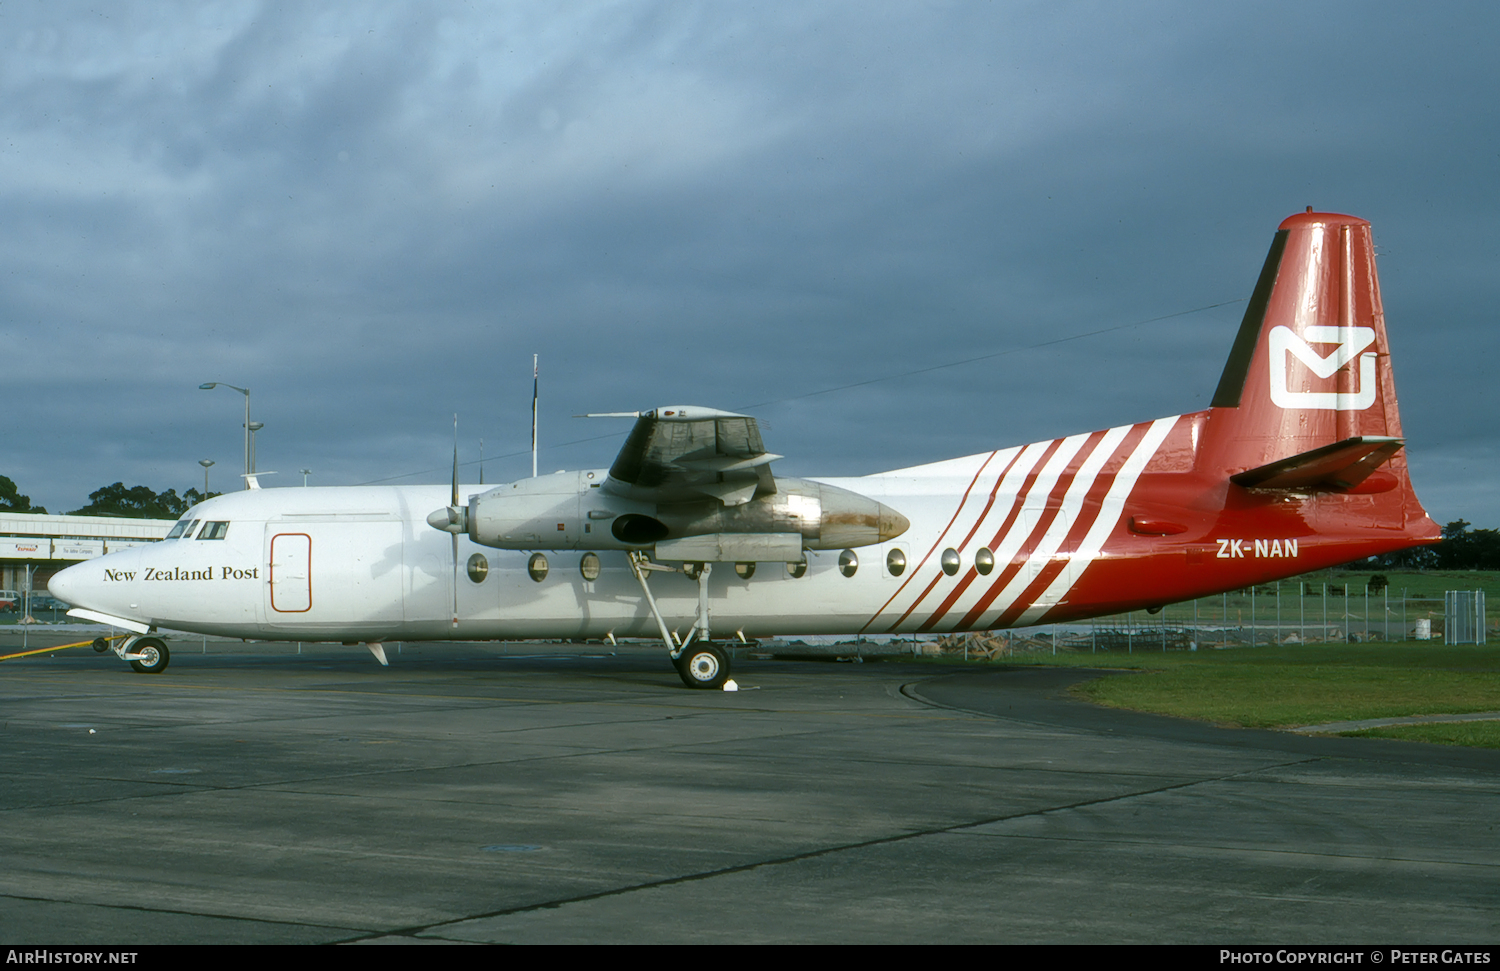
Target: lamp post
<point x="246" y="392"/>
<point x="205" y="463"/>
<point x="254" y="426"/>
<point x="305" y="474"/>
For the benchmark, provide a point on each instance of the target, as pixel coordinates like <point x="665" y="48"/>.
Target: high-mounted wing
<point x="685" y="453"/>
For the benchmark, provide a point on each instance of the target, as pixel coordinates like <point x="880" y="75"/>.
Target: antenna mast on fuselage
<point x="533" y="416"/>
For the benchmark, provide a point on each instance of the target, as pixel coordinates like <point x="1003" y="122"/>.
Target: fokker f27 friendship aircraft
<point x="1297" y="465"/>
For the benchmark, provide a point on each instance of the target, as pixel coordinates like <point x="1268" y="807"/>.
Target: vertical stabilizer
<point x="1311" y="365"/>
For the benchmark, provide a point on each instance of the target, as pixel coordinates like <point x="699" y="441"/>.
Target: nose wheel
<point x="702" y="665"/>
<point x="149" y="655"/>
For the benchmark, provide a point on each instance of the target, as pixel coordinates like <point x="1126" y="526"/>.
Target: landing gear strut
<point x="699" y="662"/>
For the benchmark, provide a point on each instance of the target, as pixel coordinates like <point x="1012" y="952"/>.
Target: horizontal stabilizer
<point x="1342" y="465"/>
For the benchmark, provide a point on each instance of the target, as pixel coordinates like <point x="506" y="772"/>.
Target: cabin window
<point x="984" y="561"/>
<point x="951" y="561"/>
<point x="588" y="567"/>
<point x="744" y="570"/>
<point x="797" y="570"/>
<point x="895" y="562"/>
<point x="479" y="567"/>
<point x="537" y="567"/>
<point x="214" y="531"/>
<point x="848" y="563"/>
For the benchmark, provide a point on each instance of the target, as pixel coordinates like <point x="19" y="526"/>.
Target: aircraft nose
<point x="64" y="585"/>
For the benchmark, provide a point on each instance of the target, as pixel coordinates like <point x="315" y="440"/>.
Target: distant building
<point x="42" y="545"/>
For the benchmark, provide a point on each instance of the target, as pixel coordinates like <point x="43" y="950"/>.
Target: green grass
<point x="1477" y="734"/>
<point x="1293" y="685"/>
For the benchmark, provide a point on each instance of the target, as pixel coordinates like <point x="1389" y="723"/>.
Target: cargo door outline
<point x="291" y="573"/>
<point x="1048" y="548"/>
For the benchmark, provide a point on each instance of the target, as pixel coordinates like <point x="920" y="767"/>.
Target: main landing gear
<point x="702" y="665"/>
<point x="699" y="662"/>
<point x="148" y="655"/>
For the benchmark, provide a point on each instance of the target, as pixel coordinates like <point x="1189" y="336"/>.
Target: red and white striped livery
<point x="1296" y="465"/>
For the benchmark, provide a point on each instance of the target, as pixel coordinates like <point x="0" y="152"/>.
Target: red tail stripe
<point x="928" y="555"/>
<point x="1091" y="505"/>
<point x="1039" y="529"/>
<point x="1025" y="488"/>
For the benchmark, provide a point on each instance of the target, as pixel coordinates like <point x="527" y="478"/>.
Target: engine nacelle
<point x="570" y="510"/>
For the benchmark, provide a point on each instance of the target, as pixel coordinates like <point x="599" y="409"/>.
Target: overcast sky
<point x="372" y="215"/>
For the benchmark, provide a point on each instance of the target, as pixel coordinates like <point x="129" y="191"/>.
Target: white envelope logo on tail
<point x="1350" y="341"/>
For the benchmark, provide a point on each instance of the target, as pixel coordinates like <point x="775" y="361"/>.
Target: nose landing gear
<point x="153" y="655"/>
<point x="148" y="655"/>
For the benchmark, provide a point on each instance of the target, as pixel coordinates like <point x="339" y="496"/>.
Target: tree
<point x="1463" y="548"/>
<point x="137" y="502"/>
<point x="11" y="499"/>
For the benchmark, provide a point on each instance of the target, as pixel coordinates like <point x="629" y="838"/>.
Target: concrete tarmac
<point x="469" y="793"/>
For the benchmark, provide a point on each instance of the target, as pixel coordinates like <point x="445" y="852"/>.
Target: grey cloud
<point x="374" y="216"/>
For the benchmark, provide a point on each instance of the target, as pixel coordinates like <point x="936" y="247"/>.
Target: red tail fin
<point x="1308" y="399"/>
<point x="1311" y="365"/>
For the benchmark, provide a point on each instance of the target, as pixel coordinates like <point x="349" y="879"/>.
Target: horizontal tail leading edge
<point x="1296" y="466"/>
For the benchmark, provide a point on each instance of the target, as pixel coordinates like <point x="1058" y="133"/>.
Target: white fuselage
<point x="362" y="564"/>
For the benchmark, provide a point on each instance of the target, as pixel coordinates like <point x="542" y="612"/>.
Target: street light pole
<point x="255" y="426"/>
<point x="205" y="463"/>
<point x="246" y="392"/>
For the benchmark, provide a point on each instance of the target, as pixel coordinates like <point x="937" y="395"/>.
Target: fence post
<point x="1252" y="615"/>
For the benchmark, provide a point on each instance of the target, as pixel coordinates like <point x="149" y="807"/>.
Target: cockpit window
<point x="214" y="531"/>
<point x="183" y="529"/>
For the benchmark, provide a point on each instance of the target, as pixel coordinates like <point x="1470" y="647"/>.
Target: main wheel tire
<point x="703" y="666"/>
<point x="156" y="655"/>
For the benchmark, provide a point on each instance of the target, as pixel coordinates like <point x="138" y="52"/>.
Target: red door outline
<point x="297" y="543"/>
